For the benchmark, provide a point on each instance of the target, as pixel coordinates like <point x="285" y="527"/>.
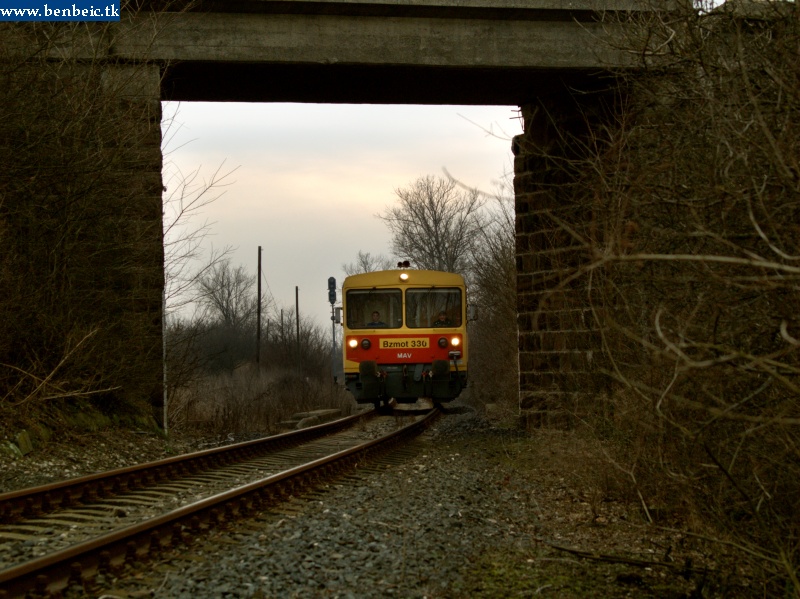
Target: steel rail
<point x="35" y="501"/>
<point x="74" y="566"/>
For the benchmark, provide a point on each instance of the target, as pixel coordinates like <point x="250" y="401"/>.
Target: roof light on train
<point x="404" y="276"/>
<point x="352" y="342"/>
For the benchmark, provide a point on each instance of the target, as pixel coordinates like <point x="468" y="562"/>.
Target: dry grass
<point x="250" y="400"/>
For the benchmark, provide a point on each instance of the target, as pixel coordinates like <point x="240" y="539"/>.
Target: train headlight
<point x="442" y="342"/>
<point x="455" y="341"/>
<point x="404" y="276"/>
<point x="352" y="343"/>
<point x="366" y="344"/>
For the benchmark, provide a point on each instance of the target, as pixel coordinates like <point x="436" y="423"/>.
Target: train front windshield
<point x="424" y="307"/>
<point x="374" y="308"/>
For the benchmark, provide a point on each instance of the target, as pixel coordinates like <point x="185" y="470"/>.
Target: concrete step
<point x="306" y="419"/>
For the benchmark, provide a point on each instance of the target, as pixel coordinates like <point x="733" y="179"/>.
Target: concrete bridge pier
<point x="116" y="270"/>
<point x="140" y="296"/>
<point x="559" y="340"/>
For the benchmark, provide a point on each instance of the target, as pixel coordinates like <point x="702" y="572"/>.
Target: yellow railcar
<point x="405" y="335"/>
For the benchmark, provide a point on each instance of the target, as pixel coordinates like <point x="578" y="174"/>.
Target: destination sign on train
<point x="402" y="343"/>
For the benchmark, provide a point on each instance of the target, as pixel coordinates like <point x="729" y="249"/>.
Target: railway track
<point x="65" y="538"/>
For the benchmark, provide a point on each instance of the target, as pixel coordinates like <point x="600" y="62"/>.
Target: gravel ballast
<point x="469" y="511"/>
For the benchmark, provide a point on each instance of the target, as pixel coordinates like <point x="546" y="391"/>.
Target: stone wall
<point x="558" y="340"/>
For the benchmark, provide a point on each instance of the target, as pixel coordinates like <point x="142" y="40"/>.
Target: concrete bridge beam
<point x="429" y="52"/>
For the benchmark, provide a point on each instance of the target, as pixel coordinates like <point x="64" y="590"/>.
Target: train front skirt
<point x="405" y="382"/>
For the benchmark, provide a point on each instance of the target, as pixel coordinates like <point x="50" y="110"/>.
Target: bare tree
<point x="493" y="267"/>
<point x="435" y="223"/>
<point x="493" y="292"/>
<point x="185" y="196"/>
<point x="366" y="262"/>
<point x="227" y="295"/>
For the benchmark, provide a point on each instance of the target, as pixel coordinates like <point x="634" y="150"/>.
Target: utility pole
<point x="258" y="312"/>
<point x="297" y="320"/>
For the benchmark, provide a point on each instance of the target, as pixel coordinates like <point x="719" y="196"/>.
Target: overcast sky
<point x="310" y="178"/>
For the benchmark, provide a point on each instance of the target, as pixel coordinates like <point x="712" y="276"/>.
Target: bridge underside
<point x="358" y="84"/>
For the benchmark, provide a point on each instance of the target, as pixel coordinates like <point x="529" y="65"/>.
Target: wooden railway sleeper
<point x="230" y="514"/>
<point x="40" y="589"/>
<point x="176" y="539"/>
<point x="154" y="548"/>
<point x="75" y="580"/>
<point x="287" y="488"/>
<point x="130" y="554"/>
<point x="214" y="516"/>
<point x="307" y="479"/>
<point x="89" y="494"/>
<point x="264" y="497"/>
<point x="30" y="509"/>
<point x="104" y="563"/>
<point x="194" y="524"/>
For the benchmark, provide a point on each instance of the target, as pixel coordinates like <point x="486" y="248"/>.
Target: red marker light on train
<point x="366" y="344"/>
<point x="442" y="342"/>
